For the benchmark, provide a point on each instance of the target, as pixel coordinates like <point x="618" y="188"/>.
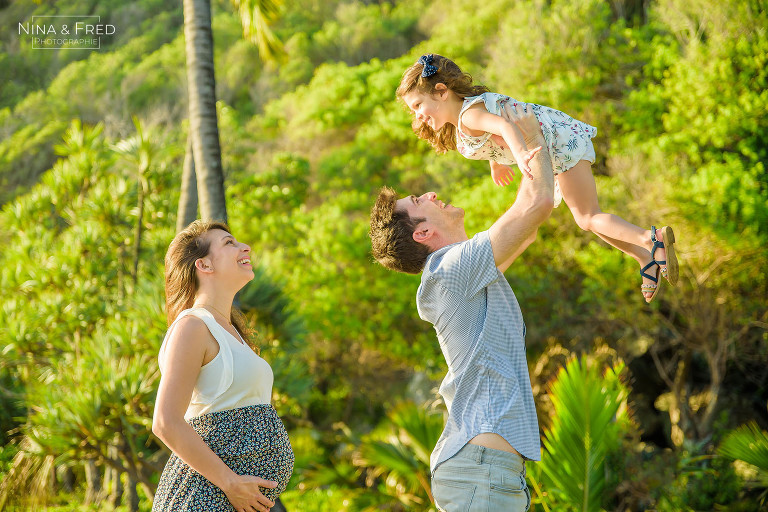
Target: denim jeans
<point x="480" y="479"/>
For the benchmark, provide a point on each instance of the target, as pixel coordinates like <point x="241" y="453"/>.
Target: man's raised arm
<point x="516" y="229"/>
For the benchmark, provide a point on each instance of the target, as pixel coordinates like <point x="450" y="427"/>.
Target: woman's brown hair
<point x="181" y="283"/>
<point x="455" y="79"/>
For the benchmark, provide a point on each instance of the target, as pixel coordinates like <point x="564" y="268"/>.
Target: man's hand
<point x="517" y="227"/>
<point x="522" y="116"/>
<point x="523" y="158"/>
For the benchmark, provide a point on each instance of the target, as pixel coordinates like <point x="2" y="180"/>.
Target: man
<point x="478" y="463"/>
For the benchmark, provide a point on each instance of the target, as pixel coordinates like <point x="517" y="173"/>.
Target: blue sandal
<point x="669" y="267"/>
<point x="650" y="287"/>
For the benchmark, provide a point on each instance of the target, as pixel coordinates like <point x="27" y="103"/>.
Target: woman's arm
<point x="188" y="347"/>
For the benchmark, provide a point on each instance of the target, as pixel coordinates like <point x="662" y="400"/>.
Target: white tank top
<point x="235" y="377"/>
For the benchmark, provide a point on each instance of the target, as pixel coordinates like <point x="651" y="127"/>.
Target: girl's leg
<point x="580" y="194"/>
<point x="641" y="255"/>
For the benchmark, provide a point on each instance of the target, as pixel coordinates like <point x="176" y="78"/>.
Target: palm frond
<point x="339" y="473"/>
<point x="79" y="139"/>
<point x="389" y="458"/>
<point x="584" y="431"/>
<point x="396" y="456"/>
<point x="748" y="443"/>
<point x="418" y="428"/>
<point x="138" y="148"/>
<point x="256" y="17"/>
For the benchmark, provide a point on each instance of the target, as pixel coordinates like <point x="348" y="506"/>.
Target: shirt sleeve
<point x="468" y="267"/>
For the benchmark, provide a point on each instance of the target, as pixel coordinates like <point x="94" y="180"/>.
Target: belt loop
<point x="479" y="455"/>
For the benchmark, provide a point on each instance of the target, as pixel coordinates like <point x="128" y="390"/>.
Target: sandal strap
<point x="648" y="287"/>
<point x="656" y="245"/>
<point x="652" y="278"/>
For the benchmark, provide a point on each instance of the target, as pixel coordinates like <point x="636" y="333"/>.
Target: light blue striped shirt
<point x="480" y="329"/>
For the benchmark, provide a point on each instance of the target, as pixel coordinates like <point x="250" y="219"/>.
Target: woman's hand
<point x="245" y="495"/>
<point x="502" y="174"/>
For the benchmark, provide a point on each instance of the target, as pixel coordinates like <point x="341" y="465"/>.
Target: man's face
<point x="442" y="218"/>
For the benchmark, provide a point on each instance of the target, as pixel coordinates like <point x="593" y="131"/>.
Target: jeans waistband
<point x="484" y="455"/>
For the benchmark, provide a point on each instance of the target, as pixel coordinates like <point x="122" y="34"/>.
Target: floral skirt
<point x="250" y="440"/>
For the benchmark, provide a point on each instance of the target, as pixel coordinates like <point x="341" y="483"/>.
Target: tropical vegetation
<point x="660" y="407"/>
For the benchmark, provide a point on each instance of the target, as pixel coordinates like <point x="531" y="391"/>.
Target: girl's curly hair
<point x="455" y="79"/>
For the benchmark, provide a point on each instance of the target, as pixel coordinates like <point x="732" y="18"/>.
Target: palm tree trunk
<point x="112" y="482"/>
<point x="187" y="211"/>
<point x="204" y="127"/>
<point x="137" y="235"/>
<point x="93" y="482"/>
<point x="133" y="497"/>
<point x="66" y="476"/>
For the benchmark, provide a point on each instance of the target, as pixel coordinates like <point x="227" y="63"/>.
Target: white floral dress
<point x="568" y="140"/>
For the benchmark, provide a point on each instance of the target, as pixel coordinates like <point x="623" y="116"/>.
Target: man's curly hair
<point x="392" y="236"/>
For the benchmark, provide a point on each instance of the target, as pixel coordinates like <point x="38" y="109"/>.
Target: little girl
<point x="452" y="113"/>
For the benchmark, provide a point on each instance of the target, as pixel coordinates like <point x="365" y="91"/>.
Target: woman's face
<point x="227" y="259"/>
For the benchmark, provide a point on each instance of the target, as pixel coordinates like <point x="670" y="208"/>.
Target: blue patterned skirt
<point x="250" y="440"/>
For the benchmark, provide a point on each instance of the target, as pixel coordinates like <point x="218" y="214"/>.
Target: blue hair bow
<point x="429" y="69"/>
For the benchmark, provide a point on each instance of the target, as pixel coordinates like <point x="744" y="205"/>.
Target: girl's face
<point x="429" y="109"/>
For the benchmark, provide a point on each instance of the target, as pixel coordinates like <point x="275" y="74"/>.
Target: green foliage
<point x="29" y="70"/>
<point x="27" y="148"/>
<point x="705" y="111"/>
<point x="11" y="412"/>
<point x="337" y="97"/>
<point x="749" y="443"/>
<point x="281" y="333"/>
<point x="273" y="194"/>
<point x="573" y="48"/>
<point x="393" y="458"/>
<point x="84" y="403"/>
<point x="591" y="416"/>
<point x="315" y="500"/>
<point x="676" y="89"/>
<point x="700" y="482"/>
<point x="360" y="32"/>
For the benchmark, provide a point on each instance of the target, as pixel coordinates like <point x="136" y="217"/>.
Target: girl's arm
<point x="502" y="174"/>
<point x="188" y="347"/>
<point x="477" y="118"/>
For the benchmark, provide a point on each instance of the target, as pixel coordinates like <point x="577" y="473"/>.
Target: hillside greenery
<point x="678" y="91"/>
